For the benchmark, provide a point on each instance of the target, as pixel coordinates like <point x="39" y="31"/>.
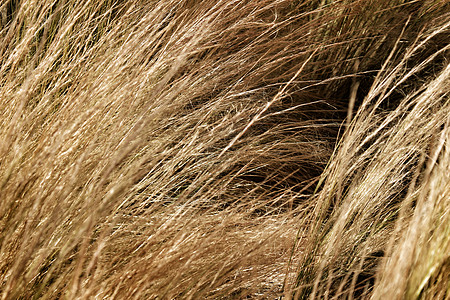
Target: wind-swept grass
<point x="224" y="149"/>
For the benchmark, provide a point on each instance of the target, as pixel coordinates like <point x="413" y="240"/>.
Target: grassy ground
<point x="225" y="149"/>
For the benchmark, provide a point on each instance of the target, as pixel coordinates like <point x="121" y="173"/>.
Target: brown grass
<point x="224" y="149"/>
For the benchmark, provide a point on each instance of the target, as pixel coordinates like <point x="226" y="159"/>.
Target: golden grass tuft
<point x="224" y="149"/>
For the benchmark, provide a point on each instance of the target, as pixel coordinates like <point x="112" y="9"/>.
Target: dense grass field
<point x="224" y="149"/>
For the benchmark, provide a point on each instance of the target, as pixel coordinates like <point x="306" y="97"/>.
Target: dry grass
<point x="224" y="149"/>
